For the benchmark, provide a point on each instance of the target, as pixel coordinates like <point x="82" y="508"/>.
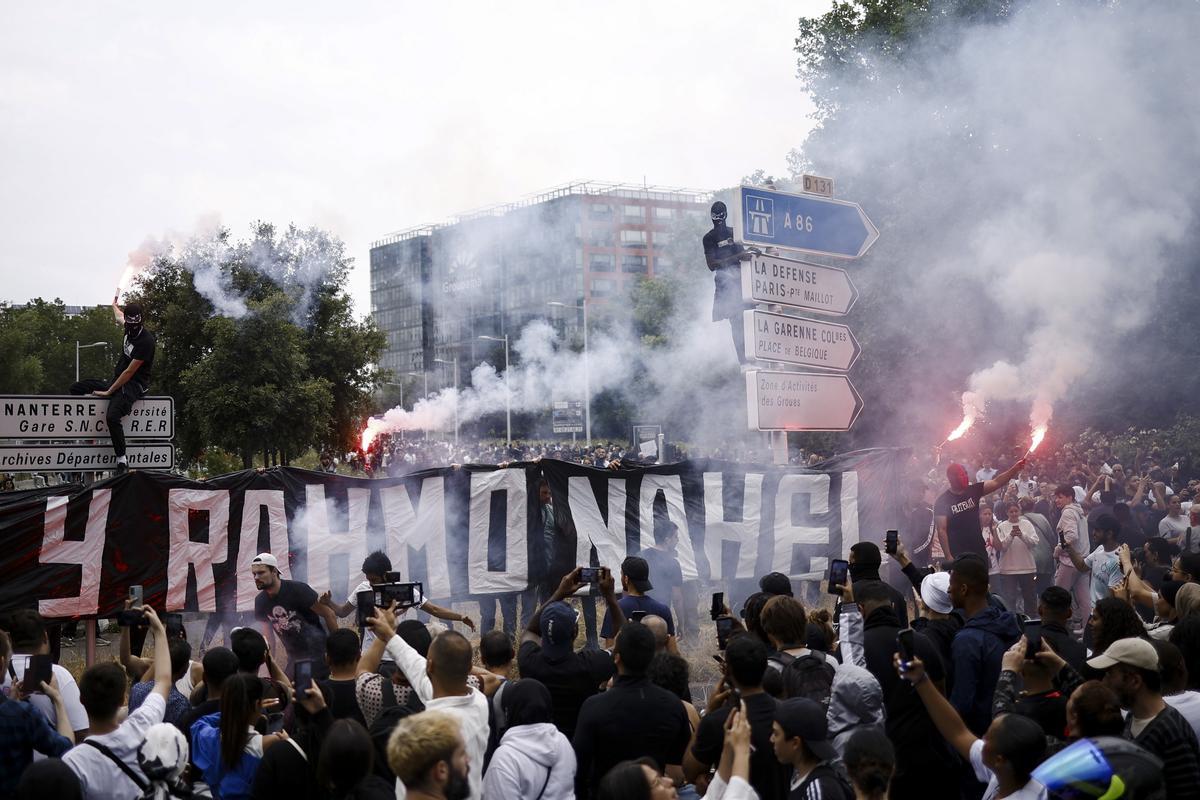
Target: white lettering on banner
<point x="787" y="534"/>
<point x="672" y="488"/>
<point x="324" y="543"/>
<point x="420" y="527"/>
<point x="88" y="554"/>
<point x="718" y="529"/>
<point x="184" y="553"/>
<point x="849" y="511"/>
<point x="590" y="527"/>
<point x="253" y="501"/>
<point x="515" y="576"/>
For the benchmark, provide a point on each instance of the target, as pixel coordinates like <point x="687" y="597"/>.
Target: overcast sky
<point x="125" y="120"/>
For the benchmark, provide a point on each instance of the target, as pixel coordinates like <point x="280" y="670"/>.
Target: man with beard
<point x="724" y="257"/>
<point x="293" y="612"/>
<point x="956" y="512"/>
<point x="427" y="754"/>
<point x="131" y="378"/>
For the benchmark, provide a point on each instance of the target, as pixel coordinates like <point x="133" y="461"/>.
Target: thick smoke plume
<point x="1032" y="180"/>
<point x="298" y="260"/>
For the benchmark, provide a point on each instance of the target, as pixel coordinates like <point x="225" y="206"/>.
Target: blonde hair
<point x="421" y="741"/>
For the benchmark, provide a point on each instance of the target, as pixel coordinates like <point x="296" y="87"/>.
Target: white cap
<point x="935" y="592"/>
<point x="266" y="559"/>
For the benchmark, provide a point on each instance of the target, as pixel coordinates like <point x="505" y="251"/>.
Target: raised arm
<point x="569" y="584"/>
<point x="1003" y="478"/>
<point x="162" y="654"/>
<point x="446" y="614"/>
<point x="947" y="720"/>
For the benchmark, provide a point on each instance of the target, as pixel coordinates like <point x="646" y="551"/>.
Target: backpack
<point x="809" y="675"/>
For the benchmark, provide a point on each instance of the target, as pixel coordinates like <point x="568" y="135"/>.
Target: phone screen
<point x="38" y="671"/>
<point x="1033" y="638"/>
<point x="637" y="616"/>
<point x="304" y="678"/>
<point x="136" y="596"/>
<point x="718" y="604"/>
<point x="906" y="645"/>
<point x="889" y="544"/>
<point x="366" y="606"/>
<point x="724" y="628"/>
<point x="839" y="569"/>
<point x="589" y="574"/>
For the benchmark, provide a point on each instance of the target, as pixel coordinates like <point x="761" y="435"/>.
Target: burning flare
<point x="971" y="409"/>
<point x="1039" y="433"/>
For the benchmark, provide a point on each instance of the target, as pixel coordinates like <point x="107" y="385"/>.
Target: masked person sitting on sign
<point x="724" y="257"/>
<point x="131" y="378"/>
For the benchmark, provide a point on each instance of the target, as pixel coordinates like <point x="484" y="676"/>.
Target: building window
<point x="664" y="213"/>
<point x="601" y="237"/>
<point x="601" y="262"/>
<point x="631" y="213"/>
<point x="602" y="287"/>
<point x="633" y="238"/>
<point x="601" y="211"/>
<point x="633" y="263"/>
<point x="663" y="262"/>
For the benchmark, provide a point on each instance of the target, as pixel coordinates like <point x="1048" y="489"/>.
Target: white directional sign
<point x="795" y="340"/>
<point x="83" y="457"/>
<point x="81" y="417"/>
<point x="800" y="401"/>
<point x="790" y="282"/>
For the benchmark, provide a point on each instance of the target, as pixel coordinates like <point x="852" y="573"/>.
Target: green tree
<point x="252" y="391"/>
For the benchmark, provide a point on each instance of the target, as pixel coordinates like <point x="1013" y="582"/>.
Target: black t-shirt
<point x="570" y="679"/>
<point x="727" y="302"/>
<point x="768" y="777"/>
<point x="823" y="783"/>
<point x="140" y="349"/>
<point x="962" y="520"/>
<point x="665" y="573"/>
<point x="342" y="700"/>
<point x="295" y="623"/>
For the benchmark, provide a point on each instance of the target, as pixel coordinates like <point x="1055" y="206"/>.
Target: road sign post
<point x="15" y="457"/>
<point x="798" y="284"/>
<point x="795" y="340"/>
<point x="81" y="417"/>
<point x="800" y="401"/>
<point x="805" y="222"/>
<point x="567" y="416"/>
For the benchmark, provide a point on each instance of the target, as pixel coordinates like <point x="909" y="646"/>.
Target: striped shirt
<point x="1171" y="738"/>
<point x="821" y="783"/>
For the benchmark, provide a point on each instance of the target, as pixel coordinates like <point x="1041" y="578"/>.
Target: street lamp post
<point x="79" y="347"/>
<point x="455" y="363"/>
<point x="587" y="372"/>
<point x="507" y="389"/>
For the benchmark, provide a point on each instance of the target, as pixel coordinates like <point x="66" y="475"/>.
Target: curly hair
<point x="1118" y="620"/>
<point x="419" y="742"/>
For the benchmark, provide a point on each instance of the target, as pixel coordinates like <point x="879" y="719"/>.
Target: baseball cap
<point x="805" y="718"/>
<point x="558" y="628"/>
<point x="935" y="592"/>
<point x="775" y="583"/>
<point x="638" y="571"/>
<point x="1132" y="651"/>
<point x="266" y="559"/>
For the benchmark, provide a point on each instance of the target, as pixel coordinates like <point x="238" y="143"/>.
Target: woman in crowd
<point x="534" y="758"/>
<point x="227" y="749"/>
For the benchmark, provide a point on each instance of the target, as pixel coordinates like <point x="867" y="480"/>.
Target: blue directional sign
<point x="805" y="222"/>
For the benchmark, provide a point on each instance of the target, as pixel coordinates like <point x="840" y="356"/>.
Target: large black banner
<point x="462" y="531"/>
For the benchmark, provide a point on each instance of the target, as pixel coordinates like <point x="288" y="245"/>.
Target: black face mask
<point x="133" y="331"/>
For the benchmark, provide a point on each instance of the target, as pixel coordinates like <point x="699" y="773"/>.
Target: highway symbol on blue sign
<point x="805" y="222"/>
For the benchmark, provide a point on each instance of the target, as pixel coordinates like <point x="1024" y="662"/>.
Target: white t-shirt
<point x="99" y="777"/>
<point x="1173" y="526"/>
<point x="409" y="613"/>
<point x="1188" y="704"/>
<point x="67" y="687"/>
<point x="1106" y="572"/>
<point x="1030" y="791"/>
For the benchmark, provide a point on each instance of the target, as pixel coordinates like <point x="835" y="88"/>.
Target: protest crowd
<point x="1027" y="632"/>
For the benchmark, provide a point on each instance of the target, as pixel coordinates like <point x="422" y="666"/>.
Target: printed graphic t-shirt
<point x="962" y="520"/>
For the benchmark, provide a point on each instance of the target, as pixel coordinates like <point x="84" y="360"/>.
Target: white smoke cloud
<point x="1043" y="165"/>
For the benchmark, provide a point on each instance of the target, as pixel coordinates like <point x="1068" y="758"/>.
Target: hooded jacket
<point x="529" y="758"/>
<point x="976" y="651"/>
<point x="856" y="701"/>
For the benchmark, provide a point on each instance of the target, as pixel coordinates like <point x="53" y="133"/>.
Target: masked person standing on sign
<point x="725" y="257"/>
<point x="131" y="378"/>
